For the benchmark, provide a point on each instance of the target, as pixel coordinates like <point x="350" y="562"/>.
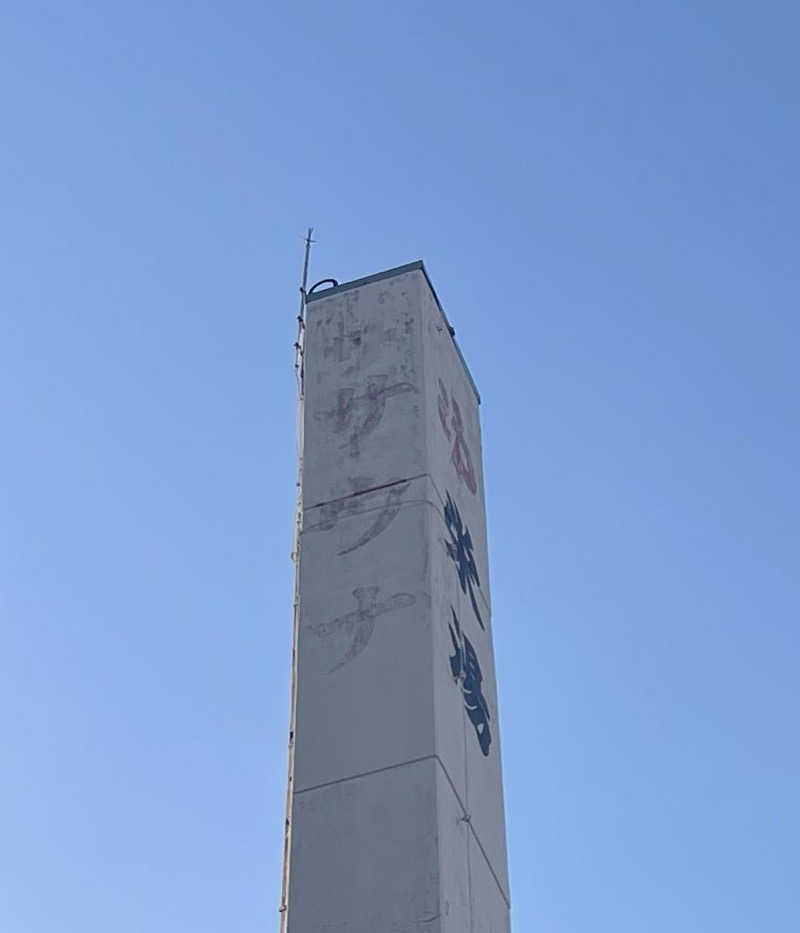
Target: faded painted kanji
<point x="460" y="457"/>
<point x="358" y="625"/>
<point x="359" y="409"/>
<point x="385" y="501"/>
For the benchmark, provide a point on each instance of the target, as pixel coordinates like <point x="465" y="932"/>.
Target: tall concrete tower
<point x="395" y="821"/>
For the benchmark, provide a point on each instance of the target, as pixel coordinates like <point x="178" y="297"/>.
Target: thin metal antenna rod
<point x="299" y="372"/>
<point x="309" y="241"/>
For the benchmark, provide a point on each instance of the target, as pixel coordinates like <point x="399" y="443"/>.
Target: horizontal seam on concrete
<point x="364" y="492"/>
<point x="439" y="508"/>
<point x="401" y="506"/>
<point x="405" y="764"/>
<point x="353" y="777"/>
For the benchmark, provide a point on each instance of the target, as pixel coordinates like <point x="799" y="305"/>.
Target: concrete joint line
<point x="355" y="777"/>
<point x="405" y="764"/>
<point x="468" y="820"/>
<point x="364" y="492"/>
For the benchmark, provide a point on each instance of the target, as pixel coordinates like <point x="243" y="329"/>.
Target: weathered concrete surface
<point x="397" y="817"/>
<point x="365" y="854"/>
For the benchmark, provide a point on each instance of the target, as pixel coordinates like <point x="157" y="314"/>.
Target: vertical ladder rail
<point x="298" y="528"/>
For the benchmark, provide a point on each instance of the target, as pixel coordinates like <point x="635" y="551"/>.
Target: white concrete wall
<point x="397" y="819"/>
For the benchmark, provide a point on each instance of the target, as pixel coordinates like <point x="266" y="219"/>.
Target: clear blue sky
<point x="606" y="197"/>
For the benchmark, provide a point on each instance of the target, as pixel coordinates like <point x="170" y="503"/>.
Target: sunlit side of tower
<point x="396" y="819"/>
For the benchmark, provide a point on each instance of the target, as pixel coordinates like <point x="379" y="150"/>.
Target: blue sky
<point x="606" y="197"/>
